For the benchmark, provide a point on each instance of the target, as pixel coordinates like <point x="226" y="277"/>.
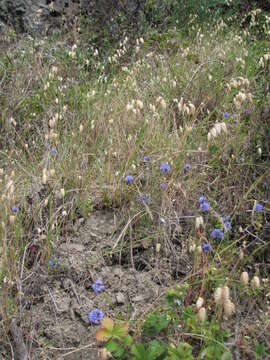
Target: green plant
<point x="156" y="350"/>
<point x="182" y="352"/>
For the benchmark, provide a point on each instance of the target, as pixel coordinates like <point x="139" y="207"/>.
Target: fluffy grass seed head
<point x="199" y="303"/>
<point x="202" y="314"/>
<point x="12" y="219"/>
<point x="218" y="296"/>
<point x="244" y="278"/>
<point x="199" y="222"/>
<point x="225" y="293"/>
<point x="229" y="308"/>
<point x="255" y="282"/>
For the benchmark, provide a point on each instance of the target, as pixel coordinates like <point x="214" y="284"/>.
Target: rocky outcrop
<point x="36" y="16"/>
<point x="39" y="16"/>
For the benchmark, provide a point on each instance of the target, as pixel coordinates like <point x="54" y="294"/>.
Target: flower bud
<point x="225" y="293"/>
<point x="255" y="282"/>
<point x="62" y="192"/>
<point x="218" y="296"/>
<point x="158" y="248"/>
<point x="12" y="219"/>
<point x="198" y="222"/>
<point x="229" y="308"/>
<point x="199" y="303"/>
<point x="202" y="314"/>
<point x="244" y="278"/>
<point x="52" y="172"/>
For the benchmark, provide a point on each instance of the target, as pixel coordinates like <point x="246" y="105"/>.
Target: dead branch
<point x="17" y="335"/>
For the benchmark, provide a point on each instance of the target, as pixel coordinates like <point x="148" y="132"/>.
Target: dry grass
<point x="75" y="124"/>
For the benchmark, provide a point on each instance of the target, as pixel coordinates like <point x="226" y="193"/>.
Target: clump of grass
<point x="160" y="132"/>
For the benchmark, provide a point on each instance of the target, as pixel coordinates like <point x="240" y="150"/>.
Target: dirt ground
<point x="57" y="299"/>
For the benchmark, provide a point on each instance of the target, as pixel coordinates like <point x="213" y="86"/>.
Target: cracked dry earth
<point x="56" y="302"/>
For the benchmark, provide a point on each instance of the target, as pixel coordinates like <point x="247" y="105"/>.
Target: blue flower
<point x="95" y="316"/>
<point x="226" y="115"/>
<point x="187" y="166"/>
<point x="163" y="186"/>
<point x="226" y="217"/>
<point x="217" y="234"/>
<point x="143" y="198"/>
<point x="53" y="263"/>
<point x="14" y="209"/>
<point x="258" y="207"/>
<point x="235" y="121"/>
<point x="165" y="167"/>
<point x="53" y="151"/>
<point x="204" y="206"/>
<point x="146" y="159"/>
<point x="207" y="248"/>
<point x="98" y="286"/>
<point x="227" y="225"/>
<point x="129" y="179"/>
<point x="202" y="199"/>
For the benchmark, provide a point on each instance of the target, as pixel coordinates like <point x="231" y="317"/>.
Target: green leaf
<point x="138" y="350"/>
<point x="155" y="323"/>
<point x="120" y="330"/>
<point x="127" y="341"/>
<point x="182" y="352"/>
<point x="115" y="349"/>
<point x="158" y="348"/>
<point x="213" y="149"/>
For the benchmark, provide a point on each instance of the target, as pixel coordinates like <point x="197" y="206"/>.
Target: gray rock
<point x="120" y="298"/>
<point x="36" y="16"/>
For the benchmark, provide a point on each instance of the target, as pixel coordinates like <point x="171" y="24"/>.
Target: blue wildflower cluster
<point x="163" y="186"/>
<point x="95" y="316"/>
<point x="204" y="204"/>
<point x="207" y="248"/>
<point x="165" y="167"/>
<point x="217" y="234"/>
<point x="258" y="207"/>
<point x="98" y="286"/>
<point x="227" y="226"/>
<point x="146" y="159"/>
<point x="143" y="198"/>
<point x="14" y="209"/>
<point x="53" y="263"/>
<point x="53" y="151"/>
<point x="129" y="179"/>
